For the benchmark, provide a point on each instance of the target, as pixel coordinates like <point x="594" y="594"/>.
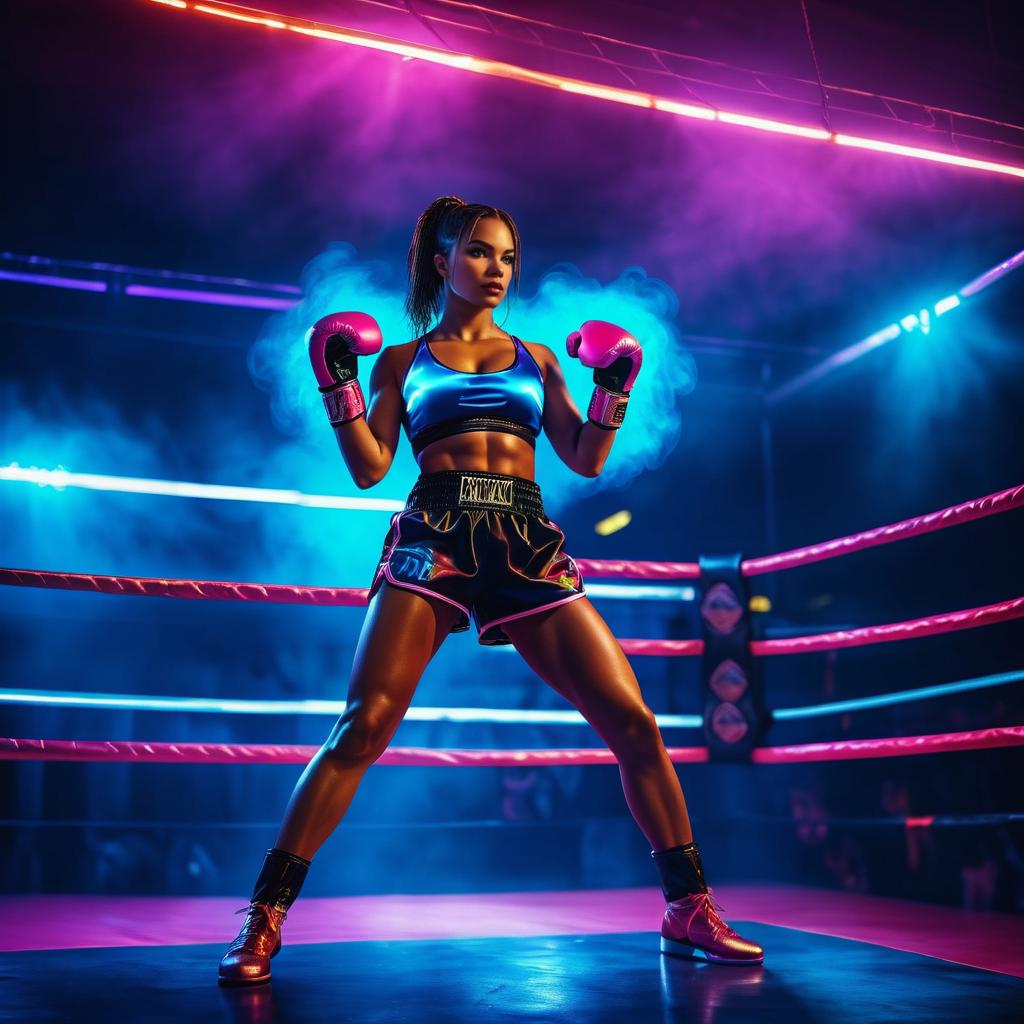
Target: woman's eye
<point x="480" y="252"/>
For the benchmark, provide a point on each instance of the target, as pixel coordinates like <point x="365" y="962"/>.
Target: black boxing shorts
<point x="480" y="542"/>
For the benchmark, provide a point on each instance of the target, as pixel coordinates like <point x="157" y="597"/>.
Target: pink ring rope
<point x="203" y="590"/>
<point x="216" y="590"/>
<point x="134" y="586"/>
<point x="930" y="625"/>
<point x="231" y="753"/>
<point x="894" y="746"/>
<point x="624" y="569"/>
<point x="978" y="508"/>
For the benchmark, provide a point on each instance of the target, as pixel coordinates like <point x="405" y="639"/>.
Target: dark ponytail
<point x="439" y="229"/>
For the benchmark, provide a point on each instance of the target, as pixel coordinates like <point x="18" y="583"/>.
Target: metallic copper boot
<point x="247" y="960"/>
<point x="692" y="927"/>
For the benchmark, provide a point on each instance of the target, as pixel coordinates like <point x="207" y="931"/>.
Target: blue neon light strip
<point x="883" y="699"/>
<point x="518" y="716"/>
<point x="920" y="321"/>
<point x="125" y="702"/>
<point x="61" y="478"/>
<point x="641" y="592"/>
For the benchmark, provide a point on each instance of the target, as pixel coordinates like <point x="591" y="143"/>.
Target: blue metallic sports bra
<point x="440" y="401"/>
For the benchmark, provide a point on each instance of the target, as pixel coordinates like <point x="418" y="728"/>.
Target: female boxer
<point x="473" y="543"/>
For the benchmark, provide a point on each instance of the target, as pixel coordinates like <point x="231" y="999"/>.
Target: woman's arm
<point x="368" y="443"/>
<point x="581" y="445"/>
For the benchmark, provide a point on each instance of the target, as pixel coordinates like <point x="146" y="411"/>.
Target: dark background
<point x="152" y="139"/>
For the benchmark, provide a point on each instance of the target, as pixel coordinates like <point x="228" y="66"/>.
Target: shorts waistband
<point x="456" y="488"/>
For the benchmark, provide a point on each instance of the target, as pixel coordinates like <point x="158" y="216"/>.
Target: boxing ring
<point x="927" y="949"/>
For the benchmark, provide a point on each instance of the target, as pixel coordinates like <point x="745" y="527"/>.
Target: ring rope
<point x="897" y="746"/>
<point x="218" y="590"/>
<point x="638" y="570"/>
<point x="977" y="508"/>
<point x="208" y="590"/>
<point x="969" y="618"/>
<point x="930" y="625"/>
<point x="12" y="749"/>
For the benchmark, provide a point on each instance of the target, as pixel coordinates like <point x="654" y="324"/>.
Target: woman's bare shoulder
<point x="401" y="355"/>
<point x="542" y="353"/>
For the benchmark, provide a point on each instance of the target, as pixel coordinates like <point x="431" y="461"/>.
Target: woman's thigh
<point x="572" y="649"/>
<point x="401" y="632"/>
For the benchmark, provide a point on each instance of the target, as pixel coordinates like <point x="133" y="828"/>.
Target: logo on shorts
<point x="480" y="490"/>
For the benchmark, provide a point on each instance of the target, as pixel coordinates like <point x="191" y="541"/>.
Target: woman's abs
<point x="481" y="451"/>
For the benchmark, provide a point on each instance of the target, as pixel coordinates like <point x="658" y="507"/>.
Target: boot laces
<point x="257" y="920"/>
<point x="712" y="910"/>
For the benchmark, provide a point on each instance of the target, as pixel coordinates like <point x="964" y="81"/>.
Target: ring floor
<point x="588" y="955"/>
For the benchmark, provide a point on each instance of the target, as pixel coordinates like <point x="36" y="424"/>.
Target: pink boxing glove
<point x="616" y="357"/>
<point x="334" y="342"/>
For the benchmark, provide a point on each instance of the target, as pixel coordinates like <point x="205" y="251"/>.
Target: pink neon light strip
<point x="14" y="749"/>
<point x="630" y="97"/>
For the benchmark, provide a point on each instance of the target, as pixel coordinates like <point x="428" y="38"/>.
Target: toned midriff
<point x="485" y="451"/>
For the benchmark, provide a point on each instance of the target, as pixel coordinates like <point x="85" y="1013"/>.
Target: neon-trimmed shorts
<point x="481" y="554"/>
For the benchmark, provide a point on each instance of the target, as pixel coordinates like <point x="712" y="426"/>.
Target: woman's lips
<point x="493" y="288"/>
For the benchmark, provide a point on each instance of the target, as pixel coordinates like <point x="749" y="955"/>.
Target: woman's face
<point x="483" y="258"/>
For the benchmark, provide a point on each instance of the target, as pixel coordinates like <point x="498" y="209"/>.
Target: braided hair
<point x="441" y="226"/>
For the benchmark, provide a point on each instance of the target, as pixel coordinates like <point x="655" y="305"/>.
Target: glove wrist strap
<point x="607" y="409"/>
<point x="345" y="404"/>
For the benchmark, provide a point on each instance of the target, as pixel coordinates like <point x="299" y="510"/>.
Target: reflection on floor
<point x="582" y="955"/>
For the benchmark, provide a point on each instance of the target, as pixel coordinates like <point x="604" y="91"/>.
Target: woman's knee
<point x="634" y="734"/>
<point x="363" y="732"/>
